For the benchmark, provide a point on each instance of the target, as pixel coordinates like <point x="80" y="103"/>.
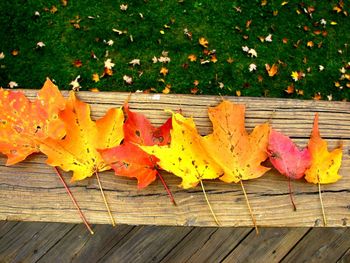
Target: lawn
<point x="241" y="48"/>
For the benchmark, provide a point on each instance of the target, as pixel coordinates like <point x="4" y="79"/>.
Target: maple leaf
<point x="238" y="153"/>
<point x="185" y="157"/>
<point x="95" y="77"/>
<point x="75" y="84"/>
<point x="109" y="64"/>
<point x="128" y="159"/>
<point x="252" y="67"/>
<point x="203" y="42"/>
<point x="271" y="70"/>
<point x="325" y="165"/>
<point x="77" y="152"/>
<point x="138" y="129"/>
<point x="164" y="71"/>
<point x="23" y="121"/>
<point x="12" y="84"/>
<point x="252" y="53"/>
<point x="295" y="75"/>
<point x="127" y="79"/>
<point x="286" y="157"/>
<point x="135" y="62"/>
<point x="192" y="57"/>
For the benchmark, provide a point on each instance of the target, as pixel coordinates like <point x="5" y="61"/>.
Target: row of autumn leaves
<point x="63" y="130"/>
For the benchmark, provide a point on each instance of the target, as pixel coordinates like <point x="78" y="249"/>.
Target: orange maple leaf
<point x="238" y="153"/>
<point x="77" y="152"/>
<point x="325" y="165"/>
<point x="24" y="122"/>
<point x="192" y="57"/>
<point x="271" y="70"/>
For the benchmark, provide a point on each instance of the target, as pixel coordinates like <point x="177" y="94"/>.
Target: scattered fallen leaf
<point x="192" y="57"/>
<point x="252" y="67"/>
<point x="317" y="96"/>
<point x="166" y="90"/>
<point x="310" y="44"/>
<point x="40" y="44"/>
<point x="290" y="89"/>
<point x="271" y="71"/>
<point x="128" y="80"/>
<point x="12" y="84"/>
<point x="77" y="63"/>
<point x="203" y="42"/>
<point x="53" y="9"/>
<point x="108" y="64"/>
<point x="123" y="7"/>
<point x="135" y="62"/>
<point x="213" y="58"/>
<point x="15" y="52"/>
<point x="95" y="77"/>
<point x="164" y="71"/>
<point x="75" y="84"/>
<point x="230" y="60"/>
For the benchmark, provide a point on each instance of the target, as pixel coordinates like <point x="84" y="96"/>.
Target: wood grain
<point x="320" y="245"/>
<point x="271" y="245"/>
<point x="30" y="191"/>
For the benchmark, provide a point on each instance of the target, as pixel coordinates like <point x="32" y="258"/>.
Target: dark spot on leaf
<point x="137" y="132"/>
<point x="87" y="150"/>
<point x="179" y="159"/>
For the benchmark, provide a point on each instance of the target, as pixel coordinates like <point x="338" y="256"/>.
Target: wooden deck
<point x="57" y="242"/>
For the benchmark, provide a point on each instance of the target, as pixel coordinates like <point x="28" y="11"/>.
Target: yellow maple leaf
<point x="325" y="165"/>
<point x="295" y="75"/>
<point x="238" y="153"/>
<point x="203" y="42"/>
<point x="164" y="71"/>
<point x="192" y="57"/>
<point x="77" y="152"/>
<point x="95" y="77"/>
<point x="185" y="156"/>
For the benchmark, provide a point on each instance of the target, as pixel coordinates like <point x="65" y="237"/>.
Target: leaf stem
<point x="166" y="188"/>
<point x="74" y="201"/>
<point x="322" y="206"/>
<point x="250" y="209"/>
<point x="291" y="193"/>
<point x="206" y="198"/>
<point x="105" y="200"/>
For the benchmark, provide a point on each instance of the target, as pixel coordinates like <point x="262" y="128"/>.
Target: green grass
<point x="218" y="21"/>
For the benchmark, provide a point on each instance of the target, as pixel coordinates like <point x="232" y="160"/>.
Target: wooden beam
<point x="30" y="191"/>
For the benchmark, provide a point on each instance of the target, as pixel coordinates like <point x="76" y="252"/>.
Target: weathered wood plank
<point x="29" y="242"/>
<point x="271" y="245"/>
<point x="206" y="245"/>
<point x="147" y="244"/>
<point x="30" y="191"/>
<point x="79" y="246"/>
<point x="320" y="245"/>
<point x="345" y="258"/>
